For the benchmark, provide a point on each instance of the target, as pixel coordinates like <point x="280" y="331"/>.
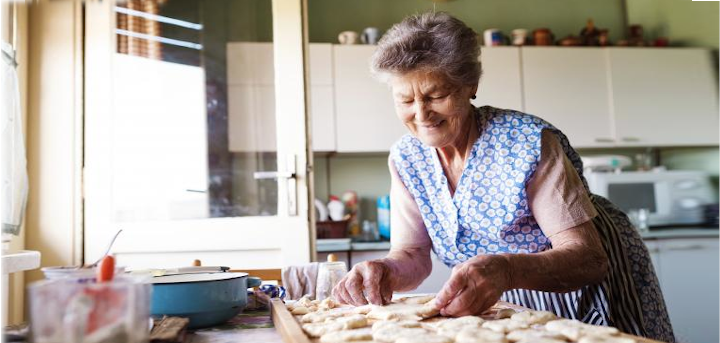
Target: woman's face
<point x="432" y="109"/>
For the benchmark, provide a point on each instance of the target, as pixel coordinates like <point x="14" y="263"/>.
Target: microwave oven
<point x="673" y="197"/>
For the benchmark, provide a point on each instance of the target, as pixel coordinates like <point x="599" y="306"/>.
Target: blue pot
<point x="207" y="299"/>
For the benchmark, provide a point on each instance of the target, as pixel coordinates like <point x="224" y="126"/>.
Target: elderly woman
<point x="498" y="195"/>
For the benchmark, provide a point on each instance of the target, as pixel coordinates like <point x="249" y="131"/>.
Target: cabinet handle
<point x="630" y="139"/>
<point x="686" y="247"/>
<point x="604" y="140"/>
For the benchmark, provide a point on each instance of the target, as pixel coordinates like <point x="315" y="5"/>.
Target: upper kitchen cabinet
<point x="664" y="96"/>
<point x="501" y="80"/>
<point x="568" y="87"/>
<point x="365" y="114"/>
<point x="251" y="86"/>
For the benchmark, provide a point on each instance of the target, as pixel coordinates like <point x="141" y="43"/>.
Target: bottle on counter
<point x="335" y="208"/>
<point x="383" y="216"/>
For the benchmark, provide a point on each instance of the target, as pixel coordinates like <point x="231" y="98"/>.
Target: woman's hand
<point x="474" y="286"/>
<point x="367" y="281"/>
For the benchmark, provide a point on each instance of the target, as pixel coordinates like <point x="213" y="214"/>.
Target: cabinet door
<point x="322" y="99"/>
<point x="569" y="88"/>
<point x="365" y="114"/>
<point x="500" y="83"/>
<point x="664" y="96"/>
<point x="689" y="281"/>
<point x="251" y="80"/>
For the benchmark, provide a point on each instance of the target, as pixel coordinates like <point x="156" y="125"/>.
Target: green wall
<point x="327" y="18"/>
<point x="685" y="22"/>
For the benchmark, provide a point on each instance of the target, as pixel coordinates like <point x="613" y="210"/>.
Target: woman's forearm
<point x="409" y="267"/>
<point x="576" y="259"/>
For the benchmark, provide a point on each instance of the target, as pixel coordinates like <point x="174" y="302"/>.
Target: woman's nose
<point x="421" y="110"/>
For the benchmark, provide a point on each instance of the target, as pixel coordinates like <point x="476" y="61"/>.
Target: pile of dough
<point x="575" y="329"/>
<point x="605" y="339"/>
<point x="426" y="338"/>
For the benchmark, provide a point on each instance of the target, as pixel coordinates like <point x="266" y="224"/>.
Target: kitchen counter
<point x="346" y="244"/>
<point x="681" y="232"/>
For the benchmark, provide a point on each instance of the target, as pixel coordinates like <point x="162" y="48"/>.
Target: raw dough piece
<point x="504" y="325"/>
<point x="335" y="324"/>
<point x="534" y="317"/>
<point x="504" y="313"/>
<point x="364" y="309"/>
<point x="321" y="316"/>
<point x="399" y="311"/>
<point x="450" y="328"/>
<point x="327" y="304"/>
<point x="426" y="338"/>
<point x="543" y="340"/>
<point x="479" y="335"/>
<point x="416" y="300"/>
<point x="574" y="329"/>
<point x="355" y="321"/>
<point x="319" y="329"/>
<point x="605" y="339"/>
<point x="533" y="334"/>
<point x="347" y="336"/>
<point x="392" y="334"/>
<point x="300" y="310"/>
<point x="395" y="324"/>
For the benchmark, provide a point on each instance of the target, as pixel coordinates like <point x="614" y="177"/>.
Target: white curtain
<point x="14" y="178"/>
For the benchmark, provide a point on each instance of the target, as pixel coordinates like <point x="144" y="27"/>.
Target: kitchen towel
<point x="300" y="280"/>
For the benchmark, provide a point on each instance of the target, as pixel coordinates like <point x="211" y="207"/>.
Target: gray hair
<point x="432" y="42"/>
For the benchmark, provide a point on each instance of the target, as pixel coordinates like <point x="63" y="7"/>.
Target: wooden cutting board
<point x="291" y="331"/>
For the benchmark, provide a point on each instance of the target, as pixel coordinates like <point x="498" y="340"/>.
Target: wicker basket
<point x="332" y="229"/>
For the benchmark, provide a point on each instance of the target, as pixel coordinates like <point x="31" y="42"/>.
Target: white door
<point x="158" y="158"/>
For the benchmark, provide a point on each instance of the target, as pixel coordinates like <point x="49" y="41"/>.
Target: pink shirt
<point x="556" y="194"/>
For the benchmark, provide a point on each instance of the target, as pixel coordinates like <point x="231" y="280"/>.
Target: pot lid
<point x="195" y="277"/>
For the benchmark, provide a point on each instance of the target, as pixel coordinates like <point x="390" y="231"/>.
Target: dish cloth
<point x="300" y="280"/>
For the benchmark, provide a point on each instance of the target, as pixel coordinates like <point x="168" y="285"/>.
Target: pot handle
<point x="253" y="281"/>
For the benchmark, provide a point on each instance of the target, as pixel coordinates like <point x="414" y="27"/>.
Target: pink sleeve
<point x="558" y="200"/>
<point x="406" y="223"/>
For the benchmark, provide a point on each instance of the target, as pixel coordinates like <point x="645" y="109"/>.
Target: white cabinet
<point x="251" y="97"/>
<point x="664" y="96"/>
<point x="688" y="273"/>
<point x="364" y="110"/>
<point x="501" y="80"/>
<point x="568" y="87"/>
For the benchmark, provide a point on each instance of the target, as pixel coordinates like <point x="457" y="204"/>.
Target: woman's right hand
<point x="367" y="281"/>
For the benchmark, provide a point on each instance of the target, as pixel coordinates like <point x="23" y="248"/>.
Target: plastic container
<point x="65" y="310"/>
<point x="82" y="275"/>
<point x="383" y="216"/>
<point x="329" y="274"/>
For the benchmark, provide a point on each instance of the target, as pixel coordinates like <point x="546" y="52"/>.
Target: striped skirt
<point x="629" y="298"/>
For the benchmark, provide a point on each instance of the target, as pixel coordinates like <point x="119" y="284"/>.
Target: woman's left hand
<point x="474" y="286"/>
